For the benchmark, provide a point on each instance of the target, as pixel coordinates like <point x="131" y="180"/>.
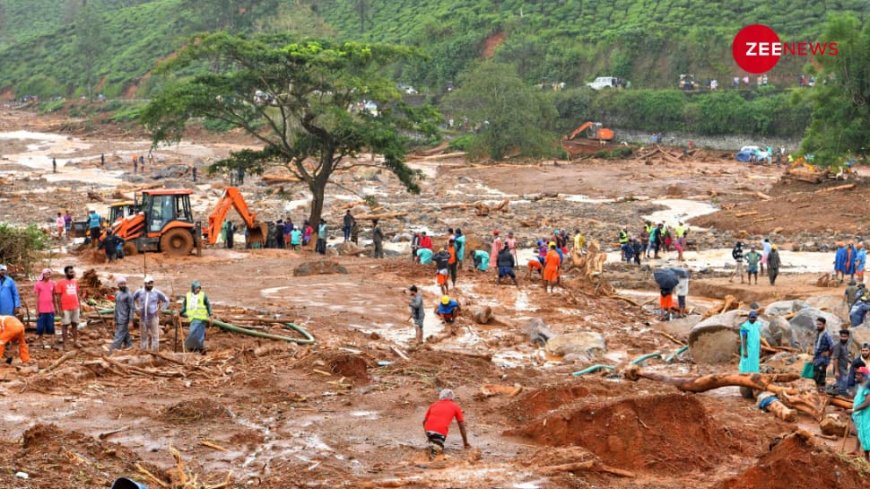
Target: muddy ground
<point x="347" y="411"/>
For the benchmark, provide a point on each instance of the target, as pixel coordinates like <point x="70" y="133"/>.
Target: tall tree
<point x="840" y="127"/>
<point x="507" y="114"/>
<point x="304" y="101"/>
<point x="90" y="42"/>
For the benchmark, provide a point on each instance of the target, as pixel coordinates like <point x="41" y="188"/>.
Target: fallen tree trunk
<point x="762" y="382"/>
<point x="386" y="215"/>
<point x="590" y="465"/>
<point x="838" y="188"/>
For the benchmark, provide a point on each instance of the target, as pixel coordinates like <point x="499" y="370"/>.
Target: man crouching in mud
<point x="438" y="419"/>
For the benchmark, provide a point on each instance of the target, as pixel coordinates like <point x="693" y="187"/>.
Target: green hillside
<point x="61" y="47"/>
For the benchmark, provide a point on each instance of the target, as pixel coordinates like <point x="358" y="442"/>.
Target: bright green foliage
<point x="20" y="246"/>
<point x="508" y="114"/>
<point x="301" y="99"/>
<point x="840" y="127"/>
<point x="649" y="42"/>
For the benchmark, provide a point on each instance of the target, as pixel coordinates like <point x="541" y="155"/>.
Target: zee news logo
<point x="757" y="48"/>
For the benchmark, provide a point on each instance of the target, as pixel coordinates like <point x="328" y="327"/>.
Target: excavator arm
<point x="232" y="199"/>
<point x="579" y="130"/>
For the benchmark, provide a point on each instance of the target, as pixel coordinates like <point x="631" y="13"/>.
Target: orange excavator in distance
<point x="592" y="130"/>
<point x="594" y="135"/>
<point x="165" y="222"/>
<point x="233" y="199"/>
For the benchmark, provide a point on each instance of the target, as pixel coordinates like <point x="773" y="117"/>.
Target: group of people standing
<point x="753" y="261"/>
<point x="850" y="259"/>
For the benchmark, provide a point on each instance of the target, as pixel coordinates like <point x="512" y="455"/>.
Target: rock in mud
<point x="584" y="344"/>
<point x="539" y="333"/>
<point x="803" y="325"/>
<point x="172" y="171"/>
<point x="679" y="327"/>
<point x="778" y="332"/>
<point x="782" y="308"/>
<point x="714" y="340"/>
<point x="830" y="303"/>
<point x="322" y="267"/>
<point x="349" y="248"/>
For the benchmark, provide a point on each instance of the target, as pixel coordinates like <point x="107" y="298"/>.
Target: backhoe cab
<point x="164" y="223"/>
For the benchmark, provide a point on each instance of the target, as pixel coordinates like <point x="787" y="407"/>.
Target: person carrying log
<point x="860" y="414"/>
<point x="436" y="422"/>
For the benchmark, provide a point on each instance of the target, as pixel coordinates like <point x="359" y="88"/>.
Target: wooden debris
<point x="212" y="444"/>
<point x="385" y="215"/>
<point x="838" y="188"/>
<point x="60" y="361"/>
<point x="276" y="179"/>
<point x="730" y="302"/>
<point x="763" y="196"/>
<point x="589" y="465"/>
<point x="489" y="390"/>
<point x="103" y="436"/>
<point x="400" y="353"/>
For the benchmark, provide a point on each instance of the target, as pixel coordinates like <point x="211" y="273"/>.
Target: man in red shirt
<point x="438" y="419"/>
<point x="425" y="241"/>
<point x="67" y="300"/>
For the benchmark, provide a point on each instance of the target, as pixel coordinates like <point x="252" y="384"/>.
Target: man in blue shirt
<point x="10" y="301"/>
<point x="448" y="309"/>
<point x="94" y="226"/>
<point x="821" y="353"/>
<point x="322" y="231"/>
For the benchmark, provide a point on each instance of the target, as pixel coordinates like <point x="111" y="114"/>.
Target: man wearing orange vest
<point x="11" y="330"/>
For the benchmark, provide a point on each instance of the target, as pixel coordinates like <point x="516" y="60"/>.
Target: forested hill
<point x="61" y="47"/>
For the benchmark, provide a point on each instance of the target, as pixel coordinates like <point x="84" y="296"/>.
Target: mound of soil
<point x="194" y="410"/>
<point x="795" y="462"/>
<point x="351" y="366"/>
<point x="541" y="401"/>
<point x="56" y="458"/>
<point x="669" y="434"/>
<point x="322" y="267"/>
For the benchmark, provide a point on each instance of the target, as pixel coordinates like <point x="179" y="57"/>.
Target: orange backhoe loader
<point x="233" y="199"/>
<point x="165" y="223"/>
<point x="592" y="130"/>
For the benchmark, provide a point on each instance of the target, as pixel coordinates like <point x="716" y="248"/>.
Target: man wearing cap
<point x="436" y="422"/>
<point x="859" y="361"/>
<point x="43" y="289"/>
<point x="821" y="353"/>
<point x="149" y="301"/>
<point x="860" y="414"/>
<point x="496" y="247"/>
<point x="123" y="315"/>
<point x="10" y="301"/>
<point x="66" y="300"/>
<point x="11" y="329"/>
<point x="197" y="309"/>
<point x="750" y="344"/>
<point x="448" y="309"/>
<point x="418" y="313"/>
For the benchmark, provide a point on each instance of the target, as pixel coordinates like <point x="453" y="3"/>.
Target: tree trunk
<point x="317" y="185"/>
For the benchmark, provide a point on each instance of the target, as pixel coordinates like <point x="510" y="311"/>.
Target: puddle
<point x="680" y="210"/>
<point x="716" y="259"/>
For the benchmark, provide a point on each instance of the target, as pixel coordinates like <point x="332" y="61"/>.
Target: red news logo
<point x="757" y="48"/>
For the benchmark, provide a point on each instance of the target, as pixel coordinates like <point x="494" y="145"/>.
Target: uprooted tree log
<point x="481" y="208"/>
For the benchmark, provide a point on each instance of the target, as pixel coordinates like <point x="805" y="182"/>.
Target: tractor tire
<point x="130" y="249"/>
<point x="177" y="242"/>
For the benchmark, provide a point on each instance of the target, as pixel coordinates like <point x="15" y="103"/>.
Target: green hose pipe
<point x="671" y="358"/>
<point x="307" y="340"/>
<point x="594" y="368"/>
<point x="639" y="360"/>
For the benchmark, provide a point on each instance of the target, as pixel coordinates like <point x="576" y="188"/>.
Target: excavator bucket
<point x="257" y="233"/>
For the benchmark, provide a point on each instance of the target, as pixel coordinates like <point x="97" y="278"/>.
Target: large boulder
<point x="783" y="308"/>
<point x="714" y="340"/>
<point x="171" y="171"/>
<point x="321" y="267"/>
<point x="582" y="345"/>
<point x="803" y="326"/>
<point x="349" y="248"/>
<point x="778" y="332"/>
<point x="679" y="327"/>
<point x="830" y="303"/>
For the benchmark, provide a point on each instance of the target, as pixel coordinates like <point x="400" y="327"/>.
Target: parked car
<point x="603" y="82"/>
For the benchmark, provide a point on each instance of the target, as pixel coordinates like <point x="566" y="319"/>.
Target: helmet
<point x="445" y="299"/>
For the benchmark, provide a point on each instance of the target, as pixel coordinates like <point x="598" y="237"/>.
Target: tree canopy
<point x="840" y="126"/>
<point x="507" y="114"/>
<point x="313" y="104"/>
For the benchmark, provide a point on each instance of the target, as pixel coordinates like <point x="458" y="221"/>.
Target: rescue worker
<point x="11" y="329"/>
<point x="10" y="300"/>
<point x="448" y="309"/>
<point x="123" y="315"/>
<point x="552" y="262"/>
<point x="623" y="242"/>
<point x="197" y="309"/>
<point x="436" y="422"/>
